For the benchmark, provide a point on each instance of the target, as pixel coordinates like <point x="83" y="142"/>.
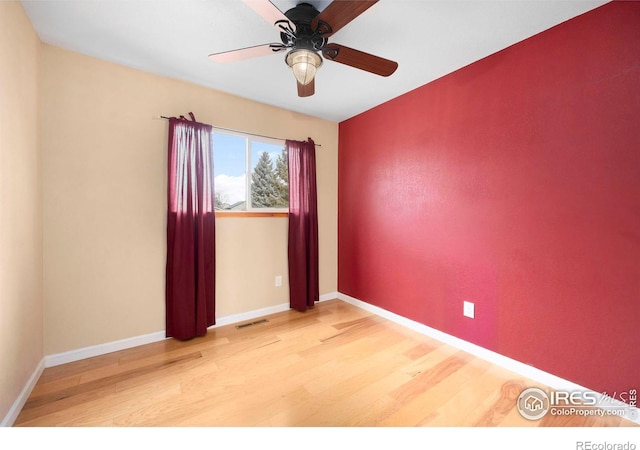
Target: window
<point x="250" y="173"/>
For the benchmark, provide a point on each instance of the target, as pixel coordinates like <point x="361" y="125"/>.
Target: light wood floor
<point x="335" y="365"/>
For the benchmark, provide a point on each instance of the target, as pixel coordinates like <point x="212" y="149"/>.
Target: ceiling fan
<point x="304" y="32"/>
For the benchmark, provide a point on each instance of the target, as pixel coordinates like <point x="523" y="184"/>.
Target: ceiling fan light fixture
<point x="304" y="64"/>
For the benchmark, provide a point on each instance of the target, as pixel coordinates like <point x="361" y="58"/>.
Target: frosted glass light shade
<point x="304" y="64"/>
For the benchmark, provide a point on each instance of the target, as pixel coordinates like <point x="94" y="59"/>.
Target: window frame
<point x="249" y="210"/>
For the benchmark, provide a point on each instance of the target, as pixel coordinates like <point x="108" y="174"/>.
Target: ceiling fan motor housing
<point x="304" y="36"/>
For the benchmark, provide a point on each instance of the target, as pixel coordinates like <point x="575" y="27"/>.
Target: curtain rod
<point x="244" y="132"/>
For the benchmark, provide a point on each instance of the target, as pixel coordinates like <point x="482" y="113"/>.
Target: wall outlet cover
<point x="468" y="309"/>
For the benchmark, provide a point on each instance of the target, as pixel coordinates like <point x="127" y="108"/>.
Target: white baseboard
<point x="249" y="315"/>
<point x="525" y="370"/>
<point x="243" y="317"/>
<point x="329" y="296"/>
<point x="17" y="406"/>
<point x="102" y="349"/>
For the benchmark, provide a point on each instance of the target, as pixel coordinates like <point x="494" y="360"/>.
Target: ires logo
<point x="534" y="404"/>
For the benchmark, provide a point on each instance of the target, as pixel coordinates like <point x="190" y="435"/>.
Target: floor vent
<point x="245" y="325"/>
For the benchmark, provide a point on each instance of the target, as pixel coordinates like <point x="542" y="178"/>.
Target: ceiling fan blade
<point x="245" y="53"/>
<point x="307" y="90"/>
<point x="340" y="12"/>
<point x="267" y="10"/>
<point x="359" y="60"/>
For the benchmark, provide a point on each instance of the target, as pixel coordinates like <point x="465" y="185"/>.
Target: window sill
<point x="222" y="214"/>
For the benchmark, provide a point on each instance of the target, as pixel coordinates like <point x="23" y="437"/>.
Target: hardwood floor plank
<point x="428" y="395"/>
<point x="420" y="350"/>
<point x="348" y="399"/>
<point x="471" y="401"/>
<point x="54" y="385"/>
<point x="509" y="393"/>
<point x="377" y="412"/>
<point x="426" y="379"/>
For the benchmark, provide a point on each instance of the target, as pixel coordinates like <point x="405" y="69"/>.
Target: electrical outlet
<point x="278" y="281"/>
<point x="468" y="309"/>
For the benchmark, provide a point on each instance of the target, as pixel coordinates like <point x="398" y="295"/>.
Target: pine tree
<point x="263" y="183"/>
<point x="282" y="179"/>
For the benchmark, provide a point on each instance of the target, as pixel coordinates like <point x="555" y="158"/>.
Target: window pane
<point x="250" y="173"/>
<point x="230" y="162"/>
<point x="269" y="178"/>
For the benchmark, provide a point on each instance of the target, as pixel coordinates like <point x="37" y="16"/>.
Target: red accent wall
<point x="513" y="183"/>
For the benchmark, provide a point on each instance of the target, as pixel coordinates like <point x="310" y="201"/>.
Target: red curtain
<point x="303" y="225"/>
<point x="190" y="271"/>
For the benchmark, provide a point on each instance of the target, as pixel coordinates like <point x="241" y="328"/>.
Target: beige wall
<point x="104" y="184"/>
<point x="21" y="310"/>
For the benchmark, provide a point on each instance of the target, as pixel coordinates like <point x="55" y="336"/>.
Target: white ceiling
<point x="173" y="38"/>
